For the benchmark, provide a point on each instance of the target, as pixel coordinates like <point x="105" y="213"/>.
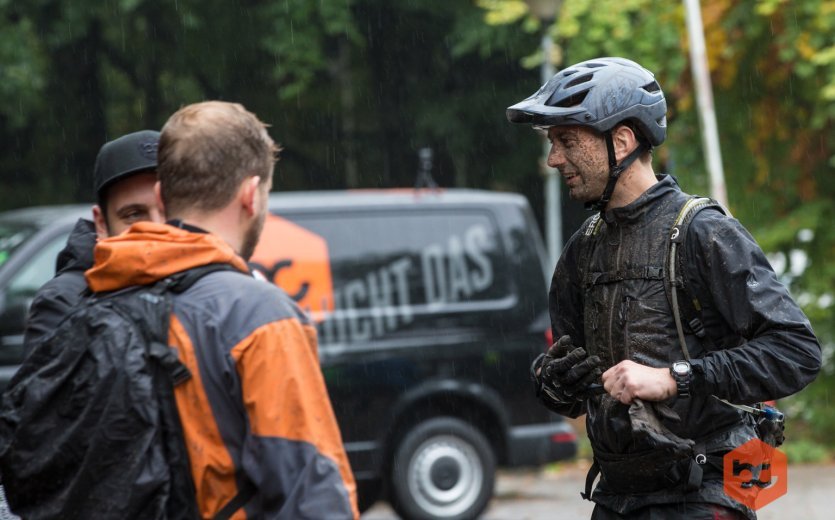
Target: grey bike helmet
<point x="600" y="93"/>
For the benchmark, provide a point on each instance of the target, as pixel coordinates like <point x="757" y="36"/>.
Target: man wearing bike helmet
<point x="650" y="389"/>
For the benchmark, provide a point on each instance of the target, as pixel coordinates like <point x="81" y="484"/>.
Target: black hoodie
<point x="61" y="294"/>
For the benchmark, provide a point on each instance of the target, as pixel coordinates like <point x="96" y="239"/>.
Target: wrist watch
<point x="681" y="371"/>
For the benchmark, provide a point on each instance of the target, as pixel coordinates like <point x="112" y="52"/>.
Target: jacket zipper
<point x="614" y="298"/>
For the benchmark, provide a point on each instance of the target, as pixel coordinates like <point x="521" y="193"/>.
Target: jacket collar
<point x="636" y="209"/>
<point x="77" y="255"/>
<point x="148" y="252"/>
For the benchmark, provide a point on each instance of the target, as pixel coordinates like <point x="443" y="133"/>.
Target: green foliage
<point x="299" y="34"/>
<point x="21" y="71"/>
<point x="805" y="452"/>
<point x="778" y="141"/>
<point x="812" y="414"/>
<point x="353" y="88"/>
<point x="501" y="12"/>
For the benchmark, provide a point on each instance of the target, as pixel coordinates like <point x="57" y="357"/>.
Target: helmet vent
<point x="571" y="101"/>
<point x="579" y="80"/>
<point x="652" y="87"/>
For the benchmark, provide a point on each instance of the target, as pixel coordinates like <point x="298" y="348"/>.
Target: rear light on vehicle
<point x="549" y="338"/>
<point x="560" y="438"/>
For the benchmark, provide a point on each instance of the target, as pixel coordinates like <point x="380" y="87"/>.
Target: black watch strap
<point x="682" y="374"/>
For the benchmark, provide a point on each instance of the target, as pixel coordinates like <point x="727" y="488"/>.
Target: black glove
<point x="572" y="372"/>
<point x="565" y="372"/>
<point x="554" y="351"/>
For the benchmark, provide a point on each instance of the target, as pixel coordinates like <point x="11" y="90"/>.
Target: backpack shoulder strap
<point x="690" y="308"/>
<point x="182" y="281"/>
<point x="587" y="238"/>
<point x="692" y="311"/>
<point x="245" y="493"/>
<point x="592" y="226"/>
<point x="158" y="327"/>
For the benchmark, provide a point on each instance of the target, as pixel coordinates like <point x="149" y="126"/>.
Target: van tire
<point x="443" y="468"/>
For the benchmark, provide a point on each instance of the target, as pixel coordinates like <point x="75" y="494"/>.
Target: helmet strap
<point x="615" y="170"/>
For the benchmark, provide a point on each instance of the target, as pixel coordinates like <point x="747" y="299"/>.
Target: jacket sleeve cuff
<point x="700" y="382"/>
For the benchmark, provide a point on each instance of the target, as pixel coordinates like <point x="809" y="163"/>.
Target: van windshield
<point x="12" y="235"/>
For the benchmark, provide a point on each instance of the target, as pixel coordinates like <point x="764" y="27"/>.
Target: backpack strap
<point x="591" y="476"/>
<point x="245" y="494"/>
<point x="182" y="281"/>
<point x="587" y="241"/>
<point x="678" y="233"/>
<point x="593" y="225"/>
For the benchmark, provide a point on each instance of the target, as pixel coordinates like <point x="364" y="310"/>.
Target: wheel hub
<point x="445" y="473"/>
<point x="445" y="476"/>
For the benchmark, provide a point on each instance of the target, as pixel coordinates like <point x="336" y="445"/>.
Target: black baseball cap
<point x="125" y="156"/>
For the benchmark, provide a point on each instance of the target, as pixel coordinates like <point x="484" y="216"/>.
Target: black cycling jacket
<point x="58" y="296"/>
<point x="608" y="294"/>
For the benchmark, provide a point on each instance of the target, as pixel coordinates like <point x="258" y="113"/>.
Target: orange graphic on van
<point x="297" y="260"/>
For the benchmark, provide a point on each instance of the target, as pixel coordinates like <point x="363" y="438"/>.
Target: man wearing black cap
<point x="124" y="177"/>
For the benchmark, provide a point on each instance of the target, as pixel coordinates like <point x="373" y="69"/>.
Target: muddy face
<point x="580" y="155"/>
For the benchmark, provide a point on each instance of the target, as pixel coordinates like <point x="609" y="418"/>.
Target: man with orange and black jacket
<point x="256" y="413"/>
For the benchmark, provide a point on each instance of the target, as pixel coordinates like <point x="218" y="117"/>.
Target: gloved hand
<point x="569" y="370"/>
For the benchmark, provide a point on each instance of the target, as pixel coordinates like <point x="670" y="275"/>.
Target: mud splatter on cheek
<point x="590" y="159"/>
<point x="589" y="151"/>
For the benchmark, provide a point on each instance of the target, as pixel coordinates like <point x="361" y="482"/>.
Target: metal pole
<point x="704" y="99"/>
<point x="553" y="210"/>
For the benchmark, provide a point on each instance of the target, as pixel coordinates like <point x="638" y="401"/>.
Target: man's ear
<point x="624" y="140"/>
<point x="158" y="197"/>
<point x="249" y="194"/>
<point x="100" y="222"/>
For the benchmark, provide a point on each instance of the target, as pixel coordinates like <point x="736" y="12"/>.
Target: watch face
<point x="681" y="368"/>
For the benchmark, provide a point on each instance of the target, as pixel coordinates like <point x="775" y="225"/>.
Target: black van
<point x="430" y="306"/>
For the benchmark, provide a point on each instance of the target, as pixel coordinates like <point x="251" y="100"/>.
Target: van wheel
<point x="443" y="468"/>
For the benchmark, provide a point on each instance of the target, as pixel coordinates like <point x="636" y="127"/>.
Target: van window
<point x="18" y="294"/>
<point x="397" y="273"/>
<point x="39" y="270"/>
<point x="12" y="235"/>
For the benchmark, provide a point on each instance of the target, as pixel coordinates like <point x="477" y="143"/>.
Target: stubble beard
<point x="581" y="191"/>
<point x="251" y="237"/>
<point x="587" y="190"/>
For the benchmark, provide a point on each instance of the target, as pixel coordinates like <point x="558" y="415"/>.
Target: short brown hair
<point x="206" y="150"/>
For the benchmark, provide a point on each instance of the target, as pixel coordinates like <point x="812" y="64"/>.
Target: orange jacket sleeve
<point x="293" y="449"/>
